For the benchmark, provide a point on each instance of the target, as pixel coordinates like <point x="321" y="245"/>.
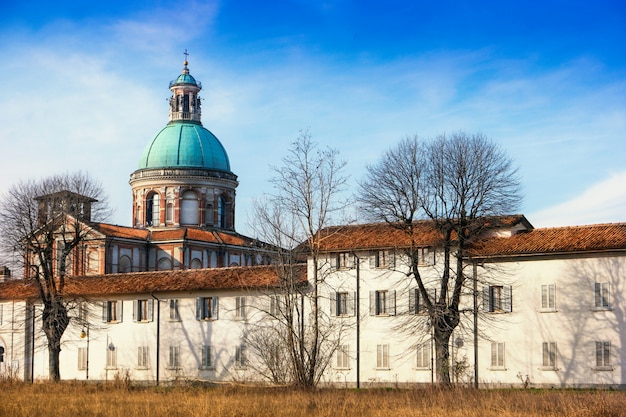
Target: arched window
<point x="196" y="263"/>
<point x="189" y="209"/>
<point x="124" y="265"/>
<point x="164" y="264"/>
<point x="169" y="212"/>
<point x="221" y="212"/>
<point x="153" y="210"/>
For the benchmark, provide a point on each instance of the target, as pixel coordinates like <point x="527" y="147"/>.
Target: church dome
<point x="183" y="144"/>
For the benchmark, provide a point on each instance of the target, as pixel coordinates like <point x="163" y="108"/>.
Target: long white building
<point x="177" y="295"/>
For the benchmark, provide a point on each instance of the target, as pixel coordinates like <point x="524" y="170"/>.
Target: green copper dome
<point x="184" y="144"/>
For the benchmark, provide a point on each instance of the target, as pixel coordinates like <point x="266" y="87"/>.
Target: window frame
<point x="111" y="358"/>
<point x="274" y="306"/>
<point x="425" y="256"/>
<point x="207" y="308"/>
<point x="240" y="307"/>
<point x="603" y="356"/>
<point x="382" y="356"/>
<point x="112" y="311"/>
<point x="143" y="357"/>
<point x="423" y="353"/>
<point x="549" y="356"/>
<point x="82" y="358"/>
<point x="241" y="356"/>
<point x="383" y="303"/>
<point x="602" y="295"/>
<point x="548" y="297"/>
<point x="342" y="357"/>
<point x="383" y="259"/>
<point x="342" y="303"/>
<point x="498" y="352"/>
<point x="206" y="358"/>
<point x="174" y="305"/>
<point x="173" y="360"/>
<point x="498" y="299"/>
<point x="342" y="261"/>
<point x="143" y="310"/>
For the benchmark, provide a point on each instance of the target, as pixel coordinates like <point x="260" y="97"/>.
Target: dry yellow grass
<point x="80" y="399"/>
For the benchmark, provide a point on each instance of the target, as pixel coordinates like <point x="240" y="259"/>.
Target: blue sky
<point x="84" y="87"/>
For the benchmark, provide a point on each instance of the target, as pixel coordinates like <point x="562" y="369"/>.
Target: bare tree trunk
<point x="442" y="354"/>
<point x="55" y="320"/>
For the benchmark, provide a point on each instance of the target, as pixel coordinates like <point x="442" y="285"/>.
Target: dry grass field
<point x="80" y="399"/>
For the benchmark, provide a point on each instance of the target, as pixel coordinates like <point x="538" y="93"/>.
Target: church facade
<point x="177" y="295"/>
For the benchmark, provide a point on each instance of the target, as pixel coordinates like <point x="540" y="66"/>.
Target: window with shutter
<point x="206" y="360"/>
<point x="206" y="308"/>
<point x="548" y="297"/>
<point x="497" y="299"/>
<point x="112" y="311"/>
<point x="549" y="355"/>
<point x="497" y="355"/>
<point x="601" y="295"/>
<point x="423" y="356"/>
<point x="143" y="310"/>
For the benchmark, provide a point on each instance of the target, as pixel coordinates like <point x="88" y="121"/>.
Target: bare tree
<point x="44" y="222"/>
<point x="455" y="182"/>
<point x="307" y="187"/>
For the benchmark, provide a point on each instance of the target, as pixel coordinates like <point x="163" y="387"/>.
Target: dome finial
<point x="185" y="63"/>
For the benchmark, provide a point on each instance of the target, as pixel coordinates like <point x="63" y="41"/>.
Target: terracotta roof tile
<point x="556" y="240"/>
<point x="254" y="277"/>
<point x="384" y="235"/>
<point x="121" y="231"/>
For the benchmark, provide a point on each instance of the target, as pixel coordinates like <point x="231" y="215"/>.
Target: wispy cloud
<point x="604" y="202"/>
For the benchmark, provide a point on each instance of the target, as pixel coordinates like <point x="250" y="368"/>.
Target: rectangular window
<point x="111" y="357"/>
<point x="601" y="290"/>
<point x="383" y="259"/>
<point x="341" y="304"/>
<point x="548" y="297"/>
<point x="112" y="311"/>
<point x="240" y="308"/>
<point x="603" y="355"/>
<point x="143" y="310"/>
<point x="423" y="356"/>
<point x="497" y="298"/>
<point x="206" y="362"/>
<point x="416" y="301"/>
<point x="549" y="355"/>
<point x="206" y="308"/>
<point x="174" y="357"/>
<point x="142" y="357"/>
<point x="274" y="306"/>
<point x="343" y="359"/>
<point x="497" y="355"/>
<point x="426" y="256"/>
<point x="83" y="312"/>
<point x="343" y="260"/>
<point x="240" y="356"/>
<point x="382" y="303"/>
<point x="174" y="314"/>
<point x="382" y="356"/>
<point x="82" y="358"/>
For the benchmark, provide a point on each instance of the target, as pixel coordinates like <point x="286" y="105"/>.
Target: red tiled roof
<point x="120" y="231"/>
<point x="253" y="277"/>
<point x="159" y="235"/>
<point x="384" y="235"/>
<point x="598" y="237"/>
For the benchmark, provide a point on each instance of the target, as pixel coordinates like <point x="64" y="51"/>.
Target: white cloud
<point x="604" y="202"/>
